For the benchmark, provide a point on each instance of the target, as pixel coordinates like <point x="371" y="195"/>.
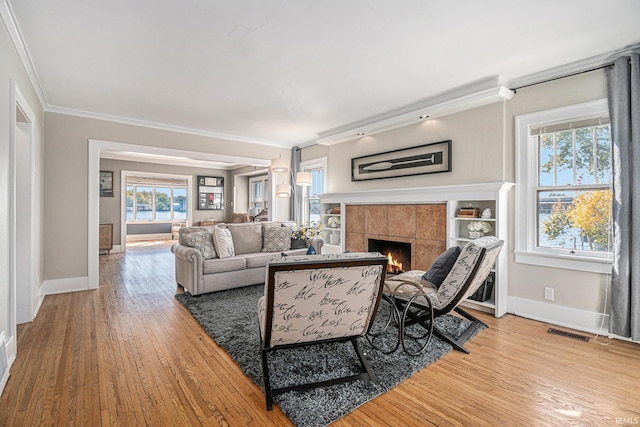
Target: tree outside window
<point x="155" y="203"/>
<point x="573" y="196"/>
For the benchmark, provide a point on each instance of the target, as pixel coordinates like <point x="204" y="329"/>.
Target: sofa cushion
<point x="258" y="260"/>
<point x="198" y="238"/>
<point x="233" y="263"/>
<point x="223" y="242"/>
<point x="276" y="239"/>
<point x="247" y="238"/>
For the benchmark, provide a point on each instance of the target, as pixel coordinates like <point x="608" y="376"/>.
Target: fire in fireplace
<point x="398" y="253"/>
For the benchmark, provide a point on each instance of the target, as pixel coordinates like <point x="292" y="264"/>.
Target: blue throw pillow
<point x="311" y="250"/>
<point x="442" y="266"/>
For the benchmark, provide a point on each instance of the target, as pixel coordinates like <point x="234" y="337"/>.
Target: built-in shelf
<point x="494" y="195"/>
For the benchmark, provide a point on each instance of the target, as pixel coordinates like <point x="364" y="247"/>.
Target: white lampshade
<point x="303" y="179"/>
<point x="279" y="165"/>
<point x="283" y="190"/>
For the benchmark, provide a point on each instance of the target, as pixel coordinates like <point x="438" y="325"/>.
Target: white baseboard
<point x="40" y="299"/>
<point x="70" y="284"/>
<point x="567" y="317"/>
<point x="5" y="362"/>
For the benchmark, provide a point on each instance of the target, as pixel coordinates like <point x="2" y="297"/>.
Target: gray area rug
<point x="230" y="318"/>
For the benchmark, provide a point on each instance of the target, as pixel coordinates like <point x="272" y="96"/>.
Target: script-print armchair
<point x="318" y="299"/>
<point x="416" y="301"/>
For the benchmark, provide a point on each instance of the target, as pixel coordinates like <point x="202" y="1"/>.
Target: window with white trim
<point x="563" y="212"/>
<point x="310" y="195"/>
<point x="156" y="203"/>
<point x="258" y="193"/>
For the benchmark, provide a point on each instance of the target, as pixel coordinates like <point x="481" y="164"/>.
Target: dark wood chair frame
<point x="265" y="347"/>
<point x="408" y="312"/>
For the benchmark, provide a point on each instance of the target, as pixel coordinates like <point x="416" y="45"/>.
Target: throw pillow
<point x="223" y="242"/>
<point x="247" y="237"/>
<point x="276" y="239"/>
<point x="200" y="239"/>
<point x="442" y="266"/>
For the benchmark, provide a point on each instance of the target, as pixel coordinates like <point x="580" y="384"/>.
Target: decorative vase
<point x="475" y="234"/>
<point x="334" y="238"/>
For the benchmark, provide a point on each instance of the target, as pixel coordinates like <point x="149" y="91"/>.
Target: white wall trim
<point x="572" y="68"/>
<point x="435" y="194"/>
<point x="69" y="284"/>
<point x="526" y="158"/>
<point x="161" y="126"/>
<point x="462" y="98"/>
<point x="124" y="174"/>
<point x="568" y="317"/>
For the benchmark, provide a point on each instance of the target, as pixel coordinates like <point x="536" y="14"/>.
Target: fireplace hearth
<point x="398" y="253"/>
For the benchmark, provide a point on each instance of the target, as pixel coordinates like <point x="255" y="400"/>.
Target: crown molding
<point x="473" y="95"/>
<point x="160" y="126"/>
<point x="10" y="23"/>
<point x="571" y="68"/>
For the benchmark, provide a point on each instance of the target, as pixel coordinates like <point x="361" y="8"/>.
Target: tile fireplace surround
<point x="421" y="225"/>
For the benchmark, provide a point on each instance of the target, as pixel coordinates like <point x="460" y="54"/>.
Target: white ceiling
<point x="284" y="72"/>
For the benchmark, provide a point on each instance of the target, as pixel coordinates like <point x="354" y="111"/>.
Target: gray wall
<point x="65" y="179"/>
<point x="483" y="151"/>
<point x="110" y="207"/>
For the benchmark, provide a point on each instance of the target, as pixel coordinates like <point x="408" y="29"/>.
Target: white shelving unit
<point x="493" y="195"/>
<point x="332" y="234"/>
<point x="458" y="234"/>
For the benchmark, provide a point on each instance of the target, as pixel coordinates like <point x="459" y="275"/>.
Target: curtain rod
<point x="608" y="64"/>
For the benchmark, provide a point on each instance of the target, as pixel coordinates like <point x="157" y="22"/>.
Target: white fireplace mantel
<point x="492" y="195"/>
<point x="435" y="194"/>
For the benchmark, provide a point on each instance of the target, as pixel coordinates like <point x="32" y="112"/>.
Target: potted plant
<point x="302" y="233"/>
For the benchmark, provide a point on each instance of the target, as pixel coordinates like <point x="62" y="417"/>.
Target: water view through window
<point x="155" y="203"/>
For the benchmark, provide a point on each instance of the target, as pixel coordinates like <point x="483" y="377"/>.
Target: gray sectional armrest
<point x="189" y="272"/>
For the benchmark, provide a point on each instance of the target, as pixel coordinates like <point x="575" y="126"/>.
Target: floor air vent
<point x="568" y="335"/>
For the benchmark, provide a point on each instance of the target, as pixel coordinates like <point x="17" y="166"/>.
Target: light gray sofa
<point x="199" y="269"/>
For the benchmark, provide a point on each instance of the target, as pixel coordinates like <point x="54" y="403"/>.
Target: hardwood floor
<point x="130" y="354"/>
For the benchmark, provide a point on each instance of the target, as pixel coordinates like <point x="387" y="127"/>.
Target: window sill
<point x="592" y="265"/>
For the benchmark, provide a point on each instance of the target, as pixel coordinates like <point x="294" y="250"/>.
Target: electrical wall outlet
<point x="548" y="294"/>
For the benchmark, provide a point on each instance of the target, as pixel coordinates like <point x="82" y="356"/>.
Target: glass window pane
<point x="546" y="161"/>
<point x="144" y="204"/>
<point x="603" y="147"/>
<point x="576" y="220"/>
<point x="179" y="203"/>
<point x="585" y="171"/>
<point x="163" y="204"/>
<point x="314" y="210"/>
<point x="130" y="202"/>
<point x="564" y="158"/>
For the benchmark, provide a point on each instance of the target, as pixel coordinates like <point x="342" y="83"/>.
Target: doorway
<point x="25" y="230"/>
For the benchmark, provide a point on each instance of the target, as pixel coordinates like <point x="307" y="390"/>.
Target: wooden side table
<point x="106" y="238"/>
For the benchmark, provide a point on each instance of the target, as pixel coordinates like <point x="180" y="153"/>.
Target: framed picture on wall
<point x="210" y="193"/>
<point x="106" y="183"/>
<point x="423" y="159"/>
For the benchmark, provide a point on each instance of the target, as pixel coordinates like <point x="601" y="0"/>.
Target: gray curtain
<point x="296" y="196"/>
<point x="623" y="86"/>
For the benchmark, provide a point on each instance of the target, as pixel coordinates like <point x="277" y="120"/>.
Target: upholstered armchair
<point x="319" y="299"/>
